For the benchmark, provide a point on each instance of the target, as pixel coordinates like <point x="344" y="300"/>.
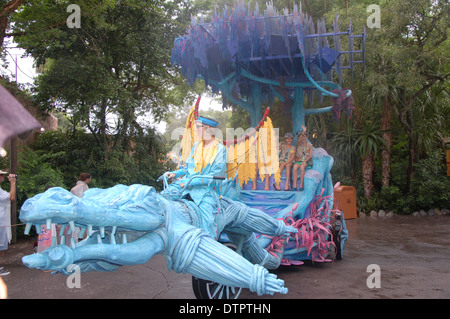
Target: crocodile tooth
<point x="99" y="240"/>
<point x="72" y="225"/>
<point x="102" y="231"/>
<point x="38" y="229"/>
<point x="113" y="231"/>
<point x="124" y="238"/>
<point x="63" y="240"/>
<point x="113" y="239"/>
<point x="61" y="230"/>
<point x="89" y="230"/>
<point x="49" y="223"/>
<point x="82" y="231"/>
<point x="72" y="243"/>
<point x="27" y="228"/>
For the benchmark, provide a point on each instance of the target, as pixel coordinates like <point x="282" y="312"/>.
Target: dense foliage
<point x="401" y="99"/>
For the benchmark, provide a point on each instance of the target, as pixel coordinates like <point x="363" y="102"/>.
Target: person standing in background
<point x="5" y="213"/>
<point x="82" y="184"/>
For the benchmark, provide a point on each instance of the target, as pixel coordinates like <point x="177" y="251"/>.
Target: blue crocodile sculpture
<point x="146" y="224"/>
<point x="127" y="225"/>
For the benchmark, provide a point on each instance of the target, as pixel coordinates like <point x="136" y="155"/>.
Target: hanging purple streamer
<point x="342" y="103"/>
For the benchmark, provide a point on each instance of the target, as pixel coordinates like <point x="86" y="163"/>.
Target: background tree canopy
<point x="117" y="63"/>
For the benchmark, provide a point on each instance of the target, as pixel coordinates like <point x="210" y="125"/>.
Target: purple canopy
<point x="14" y="118"/>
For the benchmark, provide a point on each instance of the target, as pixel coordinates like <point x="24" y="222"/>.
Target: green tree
<point x="368" y="141"/>
<point x="347" y="157"/>
<point x="407" y="60"/>
<point x="404" y="82"/>
<point x="36" y="174"/>
<point x="75" y="152"/>
<point x="117" y="63"/>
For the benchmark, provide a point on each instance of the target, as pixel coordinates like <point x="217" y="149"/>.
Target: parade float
<point x="251" y="59"/>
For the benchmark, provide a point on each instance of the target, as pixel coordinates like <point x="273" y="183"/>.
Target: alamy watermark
<point x="74" y="279"/>
<point x="374" y="279"/>
<point x="73" y="20"/>
<point x="259" y="151"/>
<point x="374" y="19"/>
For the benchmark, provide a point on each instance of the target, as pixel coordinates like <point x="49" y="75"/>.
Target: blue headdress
<point x="207" y="121"/>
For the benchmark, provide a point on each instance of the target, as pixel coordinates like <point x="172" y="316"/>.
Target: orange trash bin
<point x="448" y="161"/>
<point x="345" y="200"/>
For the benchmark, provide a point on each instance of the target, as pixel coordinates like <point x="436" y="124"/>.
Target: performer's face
<point x="205" y="132"/>
<point x="289" y="140"/>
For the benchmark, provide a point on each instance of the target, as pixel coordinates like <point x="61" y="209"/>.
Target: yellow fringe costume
<point x="258" y="150"/>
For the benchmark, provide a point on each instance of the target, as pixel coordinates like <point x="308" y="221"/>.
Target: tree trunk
<point x="412" y="150"/>
<point x="408" y="125"/>
<point x="102" y="117"/>
<point x="367" y="170"/>
<point x="324" y="131"/>
<point x="3" y="26"/>
<point x="7" y="9"/>
<point x="411" y="161"/>
<point x="387" y="137"/>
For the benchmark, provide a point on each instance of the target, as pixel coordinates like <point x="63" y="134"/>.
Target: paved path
<point x="412" y="254"/>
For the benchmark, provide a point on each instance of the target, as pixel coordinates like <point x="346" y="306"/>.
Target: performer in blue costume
<point x="207" y="157"/>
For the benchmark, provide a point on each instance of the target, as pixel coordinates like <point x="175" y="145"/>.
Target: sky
<point x="26" y="72"/>
<point x="25" y="69"/>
